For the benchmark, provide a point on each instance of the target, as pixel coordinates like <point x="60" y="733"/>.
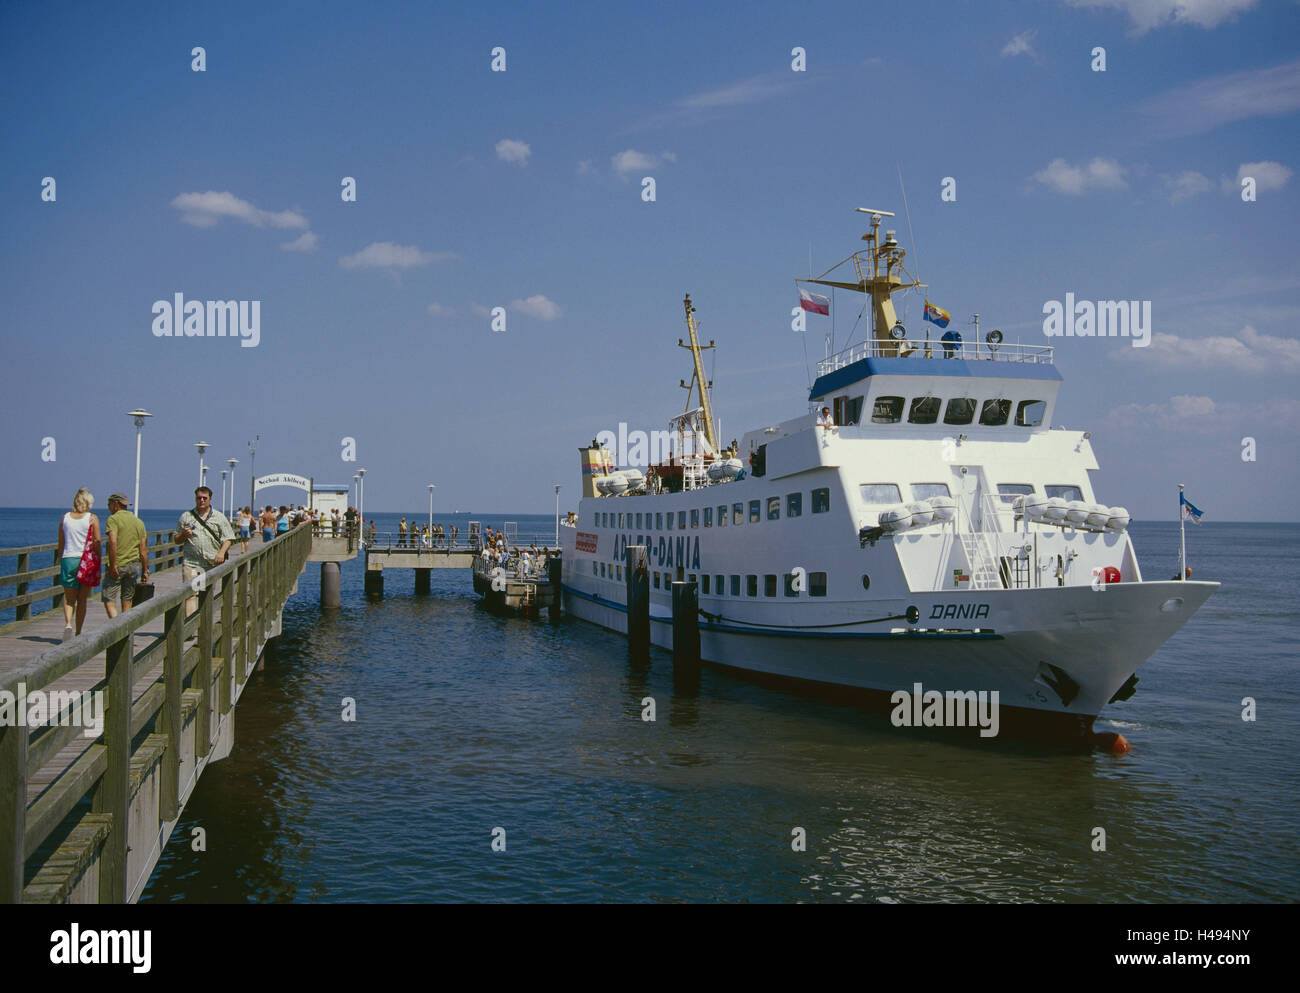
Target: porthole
<point x="866" y="581"/>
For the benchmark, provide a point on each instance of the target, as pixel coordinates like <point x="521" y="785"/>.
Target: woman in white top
<point x="73" y="530"/>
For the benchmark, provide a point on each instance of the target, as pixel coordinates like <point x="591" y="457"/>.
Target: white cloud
<point x="1268" y="176"/>
<point x="631" y="161"/>
<point x="1203" y="413"/>
<point x="1148" y="14"/>
<point x="514" y="152"/>
<point x="1186" y="185"/>
<point x="1021" y="44"/>
<point x="386" y="255"/>
<point x="1248" y="351"/>
<point x="584" y="167"/>
<point x="1236" y="96"/>
<point x="203" y="210"/>
<point x="480" y="310"/>
<point x="538" y="306"/>
<point x="706" y="105"/>
<point x="439" y="310"/>
<point x="1099" y="174"/>
<point x="308" y="241"/>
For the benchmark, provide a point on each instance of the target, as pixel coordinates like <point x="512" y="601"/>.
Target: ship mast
<point x="880" y="273"/>
<point x="706" y="408"/>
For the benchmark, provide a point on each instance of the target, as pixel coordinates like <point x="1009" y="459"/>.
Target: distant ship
<point x="940" y="532"/>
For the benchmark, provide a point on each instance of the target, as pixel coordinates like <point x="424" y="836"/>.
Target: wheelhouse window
<point x="887" y="410"/>
<point x="695" y="518"/>
<point x="794" y="505"/>
<point x="638" y="520"/>
<point x="737" y="513"/>
<point x="708" y="517"/>
<point x="1030" y="413"/>
<point x="994" y="413"/>
<point x="1064" y="492"/>
<point x="1007" y="492"/>
<point x="846" y="410"/>
<point x="620" y="521"/>
<point x="751" y="585"/>
<point x="717" y="586"/>
<point x="769" y="584"/>
<point x="961" y="410"/>
<point x="735" y="586"/>
<point x="923" y="491"/>
<point x="681" y="520"/>
<point x="821" y="500"/>
<point x="659" y="522"/>
<point x="924" y="410"/>
<point x="755" y="509"/>
<point x="880" y="494"/>
<point x="816" y="584"/>
<point x="774" y="508"/>
<point x="722" y="516"/>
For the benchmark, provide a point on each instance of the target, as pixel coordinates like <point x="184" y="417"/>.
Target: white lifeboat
<point x="1118" y="520"/>
<point x="943" y="509"/>
<point x="895" y="519"/>
<point x="922" y="513"/>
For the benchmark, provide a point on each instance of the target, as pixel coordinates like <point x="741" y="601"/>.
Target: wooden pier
<point x="84" y="818"/>
<point x="504" y="586"/>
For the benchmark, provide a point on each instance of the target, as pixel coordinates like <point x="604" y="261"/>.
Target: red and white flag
<point x="815" y="302"/>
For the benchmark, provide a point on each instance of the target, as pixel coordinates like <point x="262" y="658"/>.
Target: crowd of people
<point x="529" y="562"/>
<point x="423" y="536"/>
<point x="118" y="555"/>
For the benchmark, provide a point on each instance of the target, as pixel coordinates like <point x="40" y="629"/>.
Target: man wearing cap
<point x="127" y="561"/>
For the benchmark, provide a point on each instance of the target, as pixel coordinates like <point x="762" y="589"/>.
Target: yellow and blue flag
<point x="936" y="315"/>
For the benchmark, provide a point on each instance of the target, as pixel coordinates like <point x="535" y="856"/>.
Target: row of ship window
<point x="716" y="585"/>
<point x="925" y="410"/>
<point x="820" y="504"/>
<point x="873" y="494"/>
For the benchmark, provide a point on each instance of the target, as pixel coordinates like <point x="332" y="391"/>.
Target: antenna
<point x="868" y="210"/>
<point x="915" y="254"/>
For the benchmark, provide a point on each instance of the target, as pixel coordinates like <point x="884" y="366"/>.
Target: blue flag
<point x="1189" y="508"/>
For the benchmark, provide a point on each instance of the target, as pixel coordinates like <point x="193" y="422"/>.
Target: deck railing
<point x="970" y="350"/>
<point x="238" y="606"/>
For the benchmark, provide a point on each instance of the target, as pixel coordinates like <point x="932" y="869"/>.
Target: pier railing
<point x="239" y="604"/>
<point x="388" y="540"/>
<point x="163" y="554"/>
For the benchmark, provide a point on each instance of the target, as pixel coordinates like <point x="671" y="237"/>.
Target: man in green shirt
<point x="127" y="561"/>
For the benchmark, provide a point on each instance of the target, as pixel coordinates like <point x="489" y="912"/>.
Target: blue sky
<point x="522" y="189"/>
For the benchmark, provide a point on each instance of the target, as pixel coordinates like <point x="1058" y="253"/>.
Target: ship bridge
<point x="959" y="385"/>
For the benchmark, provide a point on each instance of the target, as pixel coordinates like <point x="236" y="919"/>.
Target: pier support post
<point x="686" y="627"/>
<point x="329" y="586"/>
<point x="554" y="573"/>
<point x="375" y="584"/>
<point x="422" y="580"/>
<point x="637" y="575"/>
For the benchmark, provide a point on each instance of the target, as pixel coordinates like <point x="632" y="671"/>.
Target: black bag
<point x="143" y="591"/>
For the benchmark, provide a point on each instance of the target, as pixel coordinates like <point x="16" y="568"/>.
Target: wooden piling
<point x="637" y="574"/>
<point x="554" y="573"/>
<point x="422" y="585"/>
<point x="686" y="626"/>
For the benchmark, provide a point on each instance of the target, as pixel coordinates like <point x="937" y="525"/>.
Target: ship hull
<point x="1055" y="656"/>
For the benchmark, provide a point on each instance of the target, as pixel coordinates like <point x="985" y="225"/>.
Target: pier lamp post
<point x="361" y="501"/>
<point x="432" y="487"/>
<point x="252" y="468"/>
<point x="139" y="414"/>
<point x="202" y="446"/>
<point x="223" y="493"/>
<point x="232" y="463"/>
<point x="356" y="497"/>
<point x="557" y="515"/>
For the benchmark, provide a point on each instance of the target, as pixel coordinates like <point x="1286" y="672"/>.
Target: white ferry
<point x="940" y="531"/>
